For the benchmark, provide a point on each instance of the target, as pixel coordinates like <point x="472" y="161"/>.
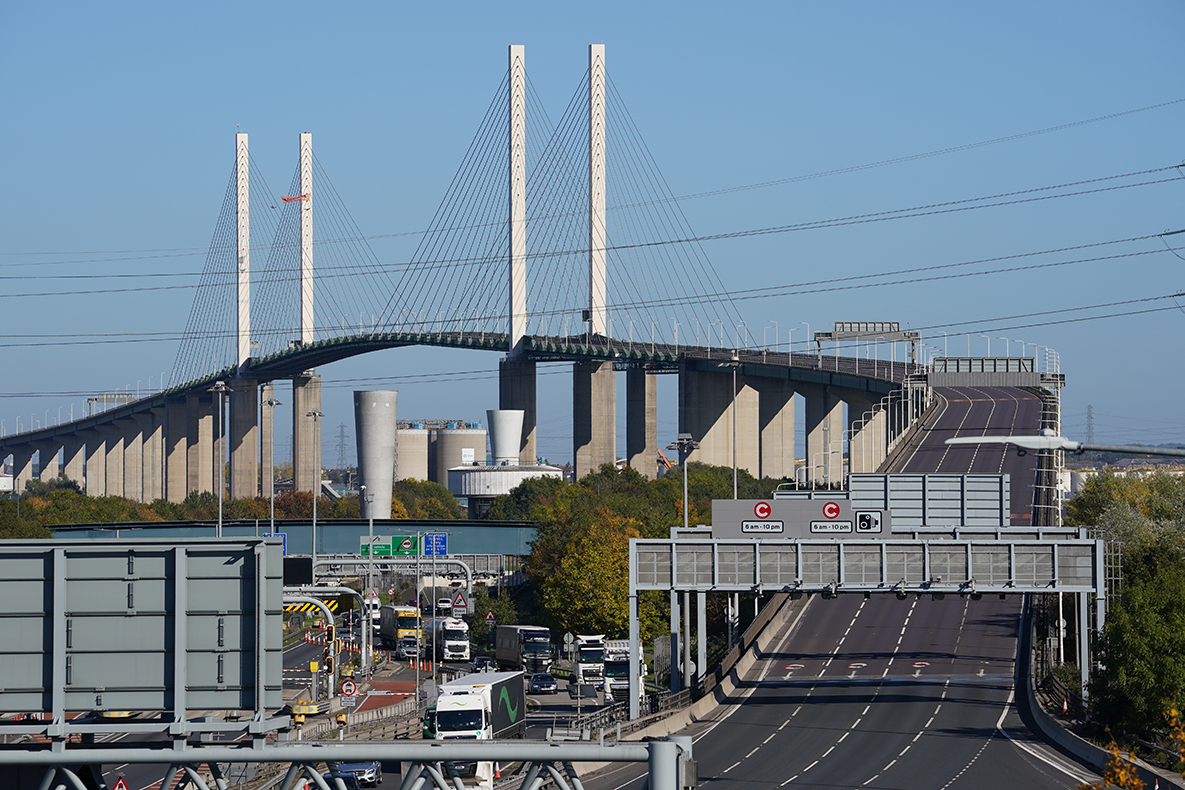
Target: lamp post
<point x="1007" y="346"/>
<point x="316" y="414"/>
<point x="369" y="498"/>
<point x="220" y="389"/>
<point x="684" y="443"/>
<point x="272" y="403"/>
<point x="988" y="338"/>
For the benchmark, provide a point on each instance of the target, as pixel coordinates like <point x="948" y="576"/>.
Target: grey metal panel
<point x="98" y="625"/>
<point x="915" y="500"/>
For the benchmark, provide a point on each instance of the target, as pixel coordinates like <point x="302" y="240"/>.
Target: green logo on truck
<point x="504" y="699"/>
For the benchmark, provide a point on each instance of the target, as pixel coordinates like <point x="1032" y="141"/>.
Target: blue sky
<point x="119" y="119"/>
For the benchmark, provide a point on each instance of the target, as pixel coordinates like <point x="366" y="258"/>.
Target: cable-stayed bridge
<point x="555" y="241"/>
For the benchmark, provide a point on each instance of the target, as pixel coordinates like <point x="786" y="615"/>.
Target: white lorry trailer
<point x="451" y="637"/>
<point x="481" y="707"/>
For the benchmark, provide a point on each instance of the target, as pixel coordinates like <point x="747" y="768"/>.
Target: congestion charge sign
<point x="796" y="518"/>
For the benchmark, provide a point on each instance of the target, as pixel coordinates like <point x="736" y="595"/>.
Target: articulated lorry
<point x="589" y="667"/>
<point x="480" y="707"/>
<point x="525" y="647"/>
<point x="451" y="636"/>
<point x="399" y="630"/>
<point x="617" y="671"/>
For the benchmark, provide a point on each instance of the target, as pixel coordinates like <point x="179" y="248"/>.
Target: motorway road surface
<point x="888" y="693"/>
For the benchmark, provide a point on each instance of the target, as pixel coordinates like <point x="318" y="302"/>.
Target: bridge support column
<point x="74" y="456"/>
<point x="176" y="448"/>
<point x="516" y="390"/>
<point x="775" y="398"/>
<point x="113" y="440"/>
<point x="47" y="461"/>
<point x="133" y="457"/>
<point x="22" y="467"/>
<point x="824" y="436"/>
<point x="199" y="449"/>
<point x="641" y="421"/>
<point x="306" y="456"/>
<point x="594" y="415"/>
<point x="267" y="439"/>
<point x="153" y="425"/>
<point x="706" y="412"/>
<point x="244" y="438"/>
<point x="96" y="463"/>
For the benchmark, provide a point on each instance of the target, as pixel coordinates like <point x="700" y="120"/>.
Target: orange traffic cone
<point x="1065" y="707"/>
<point x="497" y="771"/>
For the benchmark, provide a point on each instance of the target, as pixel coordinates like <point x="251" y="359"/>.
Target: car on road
<point x="368" y="773"/>
<point x="349" y="780"/>
<point x="543" y="683"/>
<point x="444" y="607"/>
<point x="484" y="664"/>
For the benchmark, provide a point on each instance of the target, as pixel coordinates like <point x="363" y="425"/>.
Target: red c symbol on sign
<point x="762" y="510"/>
<point x="831" y="510"/>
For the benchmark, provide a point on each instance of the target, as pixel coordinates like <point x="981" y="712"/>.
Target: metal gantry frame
<point x="995" y="564"/>
<point x="668" y="760"/>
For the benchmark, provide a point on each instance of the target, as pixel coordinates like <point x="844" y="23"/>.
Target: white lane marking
<point x="866" y="709"/>
<point x="750" y="754"/>
<point x="770" y="738"/>
<point x="788" y="781"/>
<point x="734" y="765"/>
<point x="1065" y="769"/>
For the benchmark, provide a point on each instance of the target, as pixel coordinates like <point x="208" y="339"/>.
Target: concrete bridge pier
<point x="594" y="415"/>
<point x="244" y="438"/>
<point x="306" y="456"/>
<point x="47" y="460"/>
<point x="775" y="399"/>
<point x="641" y="421"/>
<point x="133" y="458"/>
<point x="267" y="436"/>
<point x="824" y="435"/>
<point x="516" y="391"/>
<point x="74" y="460"/>
<point x="175" y="450"/>
<point x="22" y="467"/>
<point x="96" y="462"/>
<point x="154" y="447"/>
<point x="199" y="449"/>
<point x="113" y="441"/>
<point x="706" y="402"/>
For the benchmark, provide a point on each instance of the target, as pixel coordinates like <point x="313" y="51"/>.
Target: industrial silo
<point x="374" y="427"/>
<point x="458" y="444"/>
<point x="411" y="452"/>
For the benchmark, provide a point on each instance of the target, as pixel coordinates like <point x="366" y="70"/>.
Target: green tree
<point x="520" y="503"/>
<point x="1142" y="650"/>
<point x="502" y="606"/>
<point x="1158" y="496"/>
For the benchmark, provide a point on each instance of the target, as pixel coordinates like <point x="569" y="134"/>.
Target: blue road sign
<point x="436" y="544"/>
<point x="283" y="540"/>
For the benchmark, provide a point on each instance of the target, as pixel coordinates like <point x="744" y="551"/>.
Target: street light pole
<point x="684" y="443"/>
<point x="272" y="403"/>
<point x="220" y="389"/>
<point x="316" y="414"/>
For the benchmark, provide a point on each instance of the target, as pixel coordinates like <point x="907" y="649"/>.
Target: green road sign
<point x="404" y="546"/>
<point x="382" y="546"/>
